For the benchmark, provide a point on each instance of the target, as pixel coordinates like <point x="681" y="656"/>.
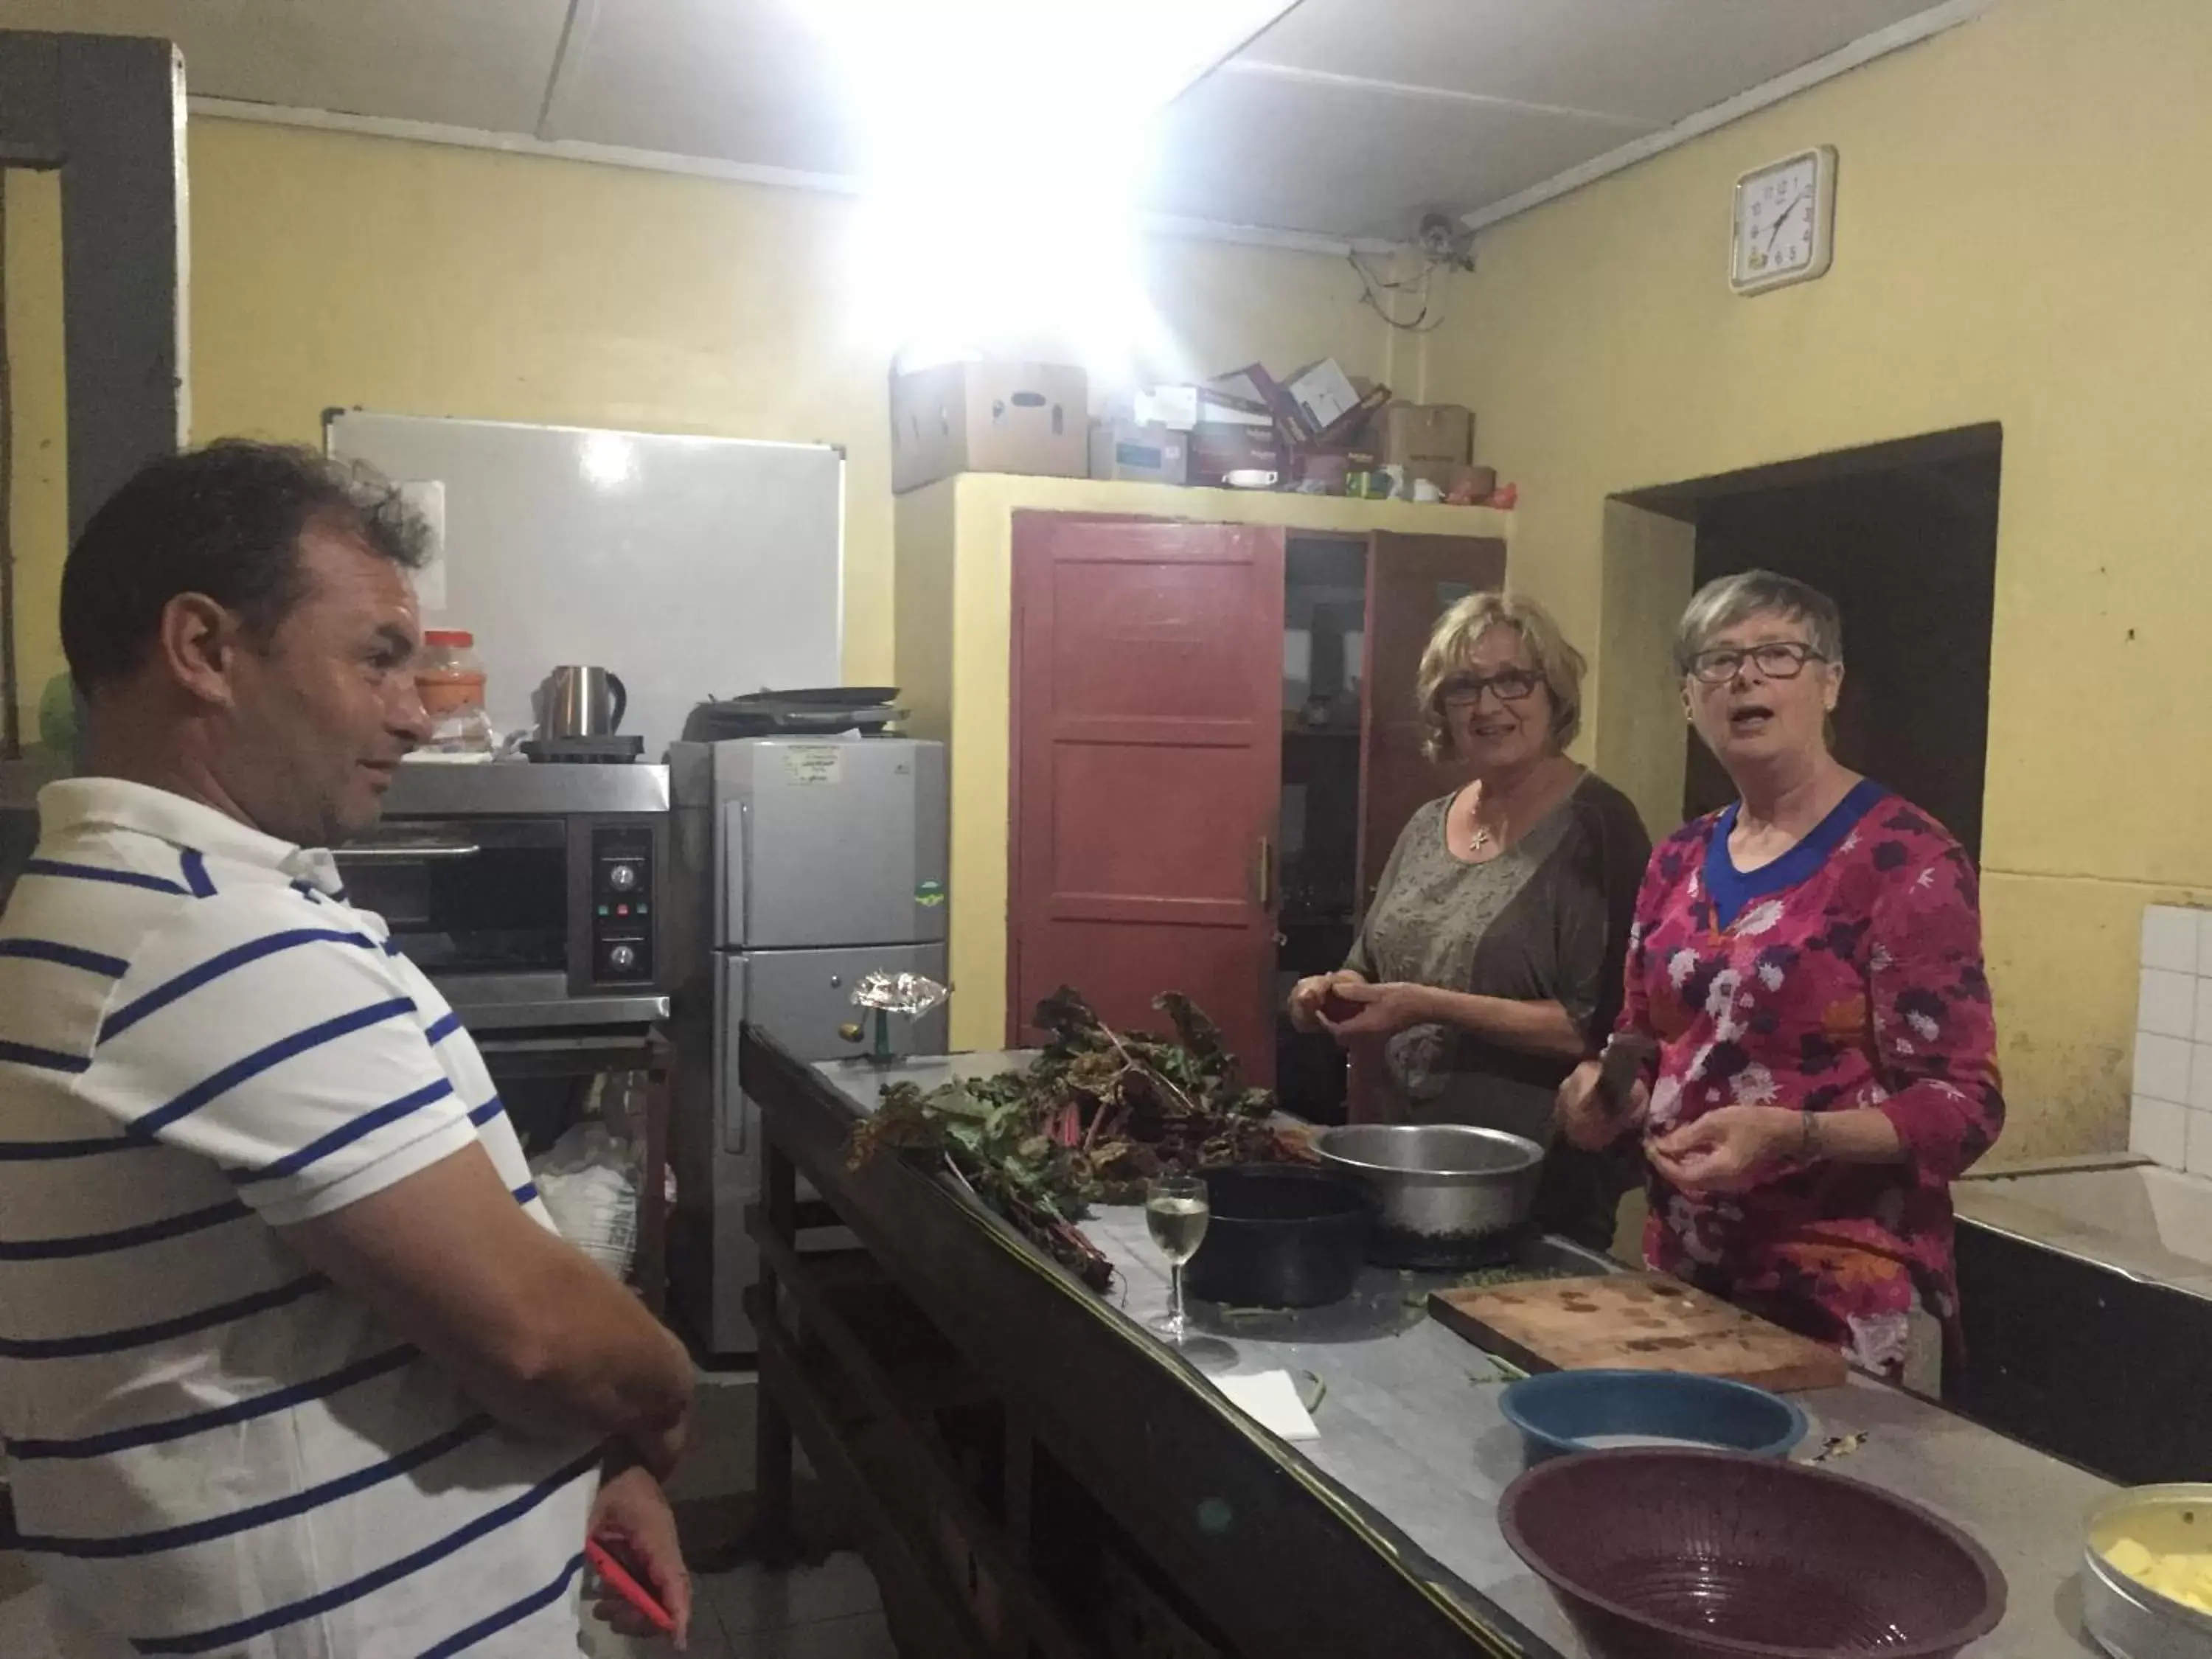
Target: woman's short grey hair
<point x="1722" y="604"/>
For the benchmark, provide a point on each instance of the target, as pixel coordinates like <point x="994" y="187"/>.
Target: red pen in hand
<point x="625" y="1584"/>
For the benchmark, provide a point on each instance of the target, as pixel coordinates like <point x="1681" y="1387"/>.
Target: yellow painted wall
<point x="332" y="269"/>
<point x="2017" y="240"/>
<point x="1640" y="741"/>
<point x="38" y="516"/>
<point x="954" y="649"/>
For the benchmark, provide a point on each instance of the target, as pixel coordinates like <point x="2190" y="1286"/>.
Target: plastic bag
<point x="588" y="1183"/>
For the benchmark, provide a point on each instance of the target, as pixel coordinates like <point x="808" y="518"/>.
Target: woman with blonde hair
<point x="1489" y="962"/>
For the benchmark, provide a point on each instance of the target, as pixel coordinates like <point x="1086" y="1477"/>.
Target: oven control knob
<point x="621" y="876"/>
<point x="621" y="957"/>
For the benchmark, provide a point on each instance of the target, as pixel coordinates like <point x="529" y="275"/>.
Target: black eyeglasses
<point x="1465" y="690"/>
<point x="1784" y="659"/>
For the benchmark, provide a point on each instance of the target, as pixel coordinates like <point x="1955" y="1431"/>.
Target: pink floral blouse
<point x="1847" y="974"/>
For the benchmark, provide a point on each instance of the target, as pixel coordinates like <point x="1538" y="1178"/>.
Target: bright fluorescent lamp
<point x="1005" y="147"/>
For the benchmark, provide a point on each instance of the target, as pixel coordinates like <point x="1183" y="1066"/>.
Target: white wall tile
<point x="2200" y="1143"/>
<point x="2203" y="1010"/>
<point x="2161" y="1067"/>
<point x="2204" y="940"/>
<point x="2167" y="1002"/>
<point x="2160" y="1129"/>
<point x="2173" y="939"/>
<point x="2200" y="1077"/>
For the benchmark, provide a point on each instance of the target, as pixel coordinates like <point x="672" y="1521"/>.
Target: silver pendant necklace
<point x="1478" y="834"/>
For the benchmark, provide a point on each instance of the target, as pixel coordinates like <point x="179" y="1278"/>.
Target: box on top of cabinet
<point x="1427" y="435"/>
<point x="989" y="418"/>
<point x="1134" y="450"/>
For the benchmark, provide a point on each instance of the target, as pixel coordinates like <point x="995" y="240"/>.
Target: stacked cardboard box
<point x="1321" y="431"/>
<point x="1249" y="420"/>
<point x="989" y="418"/>
<point x="1430" y="443"/>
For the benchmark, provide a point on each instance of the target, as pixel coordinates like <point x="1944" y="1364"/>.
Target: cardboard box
<point x="1134" y="451"/>
<point x="1428" y="436"/>
<point x="1324" y="397"/>
<point x="1243" y="396"/>
<point x="1175" y="407"/>
<point x="1321" y="472"/>
<point x="1213" y="412"/>
<point x="989" y="418"/>
<point x="1218" y="448"/>
<point x="1472" y="483"/>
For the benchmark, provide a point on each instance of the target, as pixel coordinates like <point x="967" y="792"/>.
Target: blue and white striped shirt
<point x="212" y="1449"/>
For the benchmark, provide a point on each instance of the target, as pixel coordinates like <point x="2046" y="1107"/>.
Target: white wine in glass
<point x="1178" y="1225"/>
<point x="1175" y="1214"/>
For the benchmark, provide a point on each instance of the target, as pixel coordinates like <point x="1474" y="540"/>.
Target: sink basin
<point x="2147" y="1221"/>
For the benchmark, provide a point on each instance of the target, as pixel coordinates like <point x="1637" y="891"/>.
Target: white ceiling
<point x="1347" y="118"/>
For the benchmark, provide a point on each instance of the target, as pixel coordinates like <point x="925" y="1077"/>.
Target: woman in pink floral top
<point x="1808" y="962"/>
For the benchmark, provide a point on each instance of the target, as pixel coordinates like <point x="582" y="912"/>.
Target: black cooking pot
<point x="1279" y="1236"/>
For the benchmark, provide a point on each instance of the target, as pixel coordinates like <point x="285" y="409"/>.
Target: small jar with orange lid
<point x="452" y="683"/>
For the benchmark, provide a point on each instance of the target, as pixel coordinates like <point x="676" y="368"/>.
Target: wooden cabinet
<point x="1411" y="582"/>
<point x="1106" y="662"/>
<point x="1147" y="766"/>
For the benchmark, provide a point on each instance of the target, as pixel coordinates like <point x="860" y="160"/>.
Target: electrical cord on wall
<point x="1443" y="244"/>
<point x="1386" y="296"/>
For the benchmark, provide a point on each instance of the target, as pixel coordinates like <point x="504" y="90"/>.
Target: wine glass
<point x="1175" y="1214"/>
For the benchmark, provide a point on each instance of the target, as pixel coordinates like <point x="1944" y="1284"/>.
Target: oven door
<point x="498" y="912"/>
<point x="481" y="905"/>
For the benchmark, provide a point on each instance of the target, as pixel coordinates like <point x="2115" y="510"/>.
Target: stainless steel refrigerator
<point x="805" y="864"/>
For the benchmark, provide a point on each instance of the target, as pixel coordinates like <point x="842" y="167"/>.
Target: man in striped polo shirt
<point x="292" y="1365"/>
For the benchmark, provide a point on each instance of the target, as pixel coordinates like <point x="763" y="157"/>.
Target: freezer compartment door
<point x="830" y="843"/>
<point x="801" y="999"/>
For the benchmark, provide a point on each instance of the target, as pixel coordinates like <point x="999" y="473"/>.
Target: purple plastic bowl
<point x="1667" y="1554"/>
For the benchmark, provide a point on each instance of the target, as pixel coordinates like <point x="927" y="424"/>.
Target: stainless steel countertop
<point x="1410" y="1424"/>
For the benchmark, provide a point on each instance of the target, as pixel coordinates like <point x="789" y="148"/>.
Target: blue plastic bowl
<point x="1589" y="1411"/>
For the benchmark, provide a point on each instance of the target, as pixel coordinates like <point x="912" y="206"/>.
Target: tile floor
<point x="828" y="1612"/>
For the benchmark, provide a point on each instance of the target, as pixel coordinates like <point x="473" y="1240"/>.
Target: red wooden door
<point x="1147" y="771"/>
<point x="1411" y="582"/>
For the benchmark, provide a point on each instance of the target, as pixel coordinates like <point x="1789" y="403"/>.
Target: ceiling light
<point x="1007" y="149"/>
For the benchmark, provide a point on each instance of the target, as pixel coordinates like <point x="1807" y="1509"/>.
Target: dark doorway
<point x="1903" y="537"/>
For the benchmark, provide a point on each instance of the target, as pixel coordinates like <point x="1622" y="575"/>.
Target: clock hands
<point x="1784" y="218"/>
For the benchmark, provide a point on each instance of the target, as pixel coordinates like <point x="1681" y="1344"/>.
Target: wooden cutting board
<point x="1634" y="1321"/>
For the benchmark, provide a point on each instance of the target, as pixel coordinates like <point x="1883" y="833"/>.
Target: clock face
<point x="1783" y="215"/>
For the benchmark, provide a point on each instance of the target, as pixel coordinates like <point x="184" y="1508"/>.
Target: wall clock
<point x="1785" y="221"/>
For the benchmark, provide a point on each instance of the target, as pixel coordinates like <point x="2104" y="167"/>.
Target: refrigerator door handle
<point x="733" y="872"/>
<point x="731" y="1127"/>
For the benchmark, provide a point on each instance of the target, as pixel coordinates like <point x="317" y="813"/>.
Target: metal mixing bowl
<point x="2130" y="1619"/>
<point x="1446" y="1191"/>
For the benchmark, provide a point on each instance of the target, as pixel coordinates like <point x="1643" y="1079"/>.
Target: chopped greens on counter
<point x="1093" y="1117"/>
